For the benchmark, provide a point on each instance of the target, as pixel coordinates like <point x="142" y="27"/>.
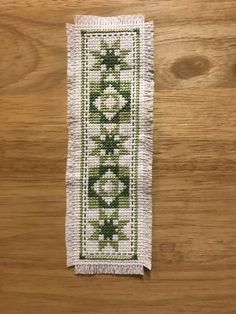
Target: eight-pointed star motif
<point x="110" y="143"/>
<point x="110" y="57"/>
<point x="108" y="230"/>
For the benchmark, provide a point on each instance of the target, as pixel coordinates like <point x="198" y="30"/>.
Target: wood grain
<point x="194" y="173"/>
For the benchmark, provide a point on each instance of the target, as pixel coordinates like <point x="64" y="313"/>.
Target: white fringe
<point x="115" y="269"/>
<point x="73" y="154"/>
<point x="145" y="148"/>
<point x="101" y="21"/>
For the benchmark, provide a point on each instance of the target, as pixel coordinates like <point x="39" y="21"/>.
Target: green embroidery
<point x="110" y="94"/>
<point x="110" y="102"/>
<point x="110" y="144"/>
<point x="110" y="57"/>
<point x="108" y="186"/>
<point x="108" y="230"/>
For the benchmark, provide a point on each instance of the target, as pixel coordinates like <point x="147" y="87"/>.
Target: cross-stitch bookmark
<point x="109" y="167"/>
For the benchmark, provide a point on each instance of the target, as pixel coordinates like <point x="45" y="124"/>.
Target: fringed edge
<point x="108" y="21"/>
<point x="146" y="147"/>
<point x="115" y="269"/>
<point x="73" y="153"/>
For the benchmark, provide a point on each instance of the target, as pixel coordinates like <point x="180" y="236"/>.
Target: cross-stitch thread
<point x="110" y="95"/>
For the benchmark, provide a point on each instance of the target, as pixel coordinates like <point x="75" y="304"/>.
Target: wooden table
<point x="194" y="174"/>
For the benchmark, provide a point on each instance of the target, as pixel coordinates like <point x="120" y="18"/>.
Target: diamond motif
<point x="109" y="186"/>
<point x="110" y="102"/>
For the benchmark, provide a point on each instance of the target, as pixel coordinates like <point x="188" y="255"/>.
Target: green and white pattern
<point x="110" y="89"/>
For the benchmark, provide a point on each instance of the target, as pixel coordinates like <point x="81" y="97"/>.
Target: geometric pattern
<point x="110" y="144"/>
<point x="110" y="102"/>
<point x="109" y="186"/>
<point x="108" y="230"/>
<point x="110" y="58"/>
<point x="109" y="165"/>
<point x="110" y="76"/>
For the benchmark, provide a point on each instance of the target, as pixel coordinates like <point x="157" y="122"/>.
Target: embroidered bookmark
<point x="109" y="167"/>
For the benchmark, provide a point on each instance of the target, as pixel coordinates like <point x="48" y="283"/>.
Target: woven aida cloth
<point x="109" y="166"/>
